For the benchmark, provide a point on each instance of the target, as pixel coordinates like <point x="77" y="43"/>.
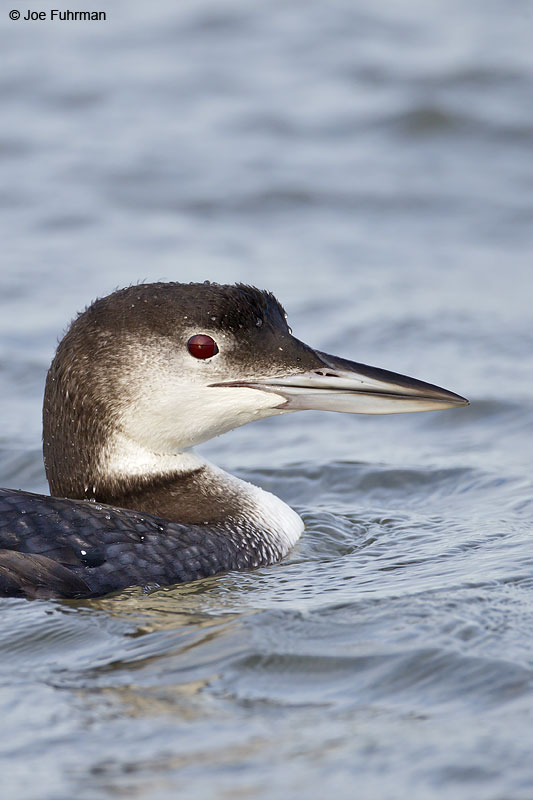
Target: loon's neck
<point x="184" y="488"/>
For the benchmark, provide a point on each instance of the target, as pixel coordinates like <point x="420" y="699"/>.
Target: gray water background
<point x="372" y="164"/>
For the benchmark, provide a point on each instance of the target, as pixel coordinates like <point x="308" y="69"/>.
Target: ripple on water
<point x="345" y="655"/>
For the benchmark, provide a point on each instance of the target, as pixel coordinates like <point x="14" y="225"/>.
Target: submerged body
<point x="140" y="377"/>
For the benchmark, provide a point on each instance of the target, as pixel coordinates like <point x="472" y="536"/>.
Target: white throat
<point x="123" y="458"/>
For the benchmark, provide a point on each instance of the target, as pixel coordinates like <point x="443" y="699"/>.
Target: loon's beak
<point x="337" y="384"/>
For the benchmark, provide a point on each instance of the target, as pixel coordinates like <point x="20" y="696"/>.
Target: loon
<point x="140" y="377"/>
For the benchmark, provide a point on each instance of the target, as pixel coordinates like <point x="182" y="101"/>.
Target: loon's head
<point x="153" y="369"/>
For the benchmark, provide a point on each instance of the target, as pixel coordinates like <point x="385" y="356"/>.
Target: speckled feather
<point x="92" y="549"/>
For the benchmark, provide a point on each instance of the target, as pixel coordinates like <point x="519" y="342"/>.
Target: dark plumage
<point x="46" y="552"/>
<point x="160" y="308"/>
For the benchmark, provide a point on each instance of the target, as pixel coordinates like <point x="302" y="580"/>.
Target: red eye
<point x="202" y="346"/>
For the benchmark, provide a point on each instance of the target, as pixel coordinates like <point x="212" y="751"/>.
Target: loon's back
<point x="54" y="547"/>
